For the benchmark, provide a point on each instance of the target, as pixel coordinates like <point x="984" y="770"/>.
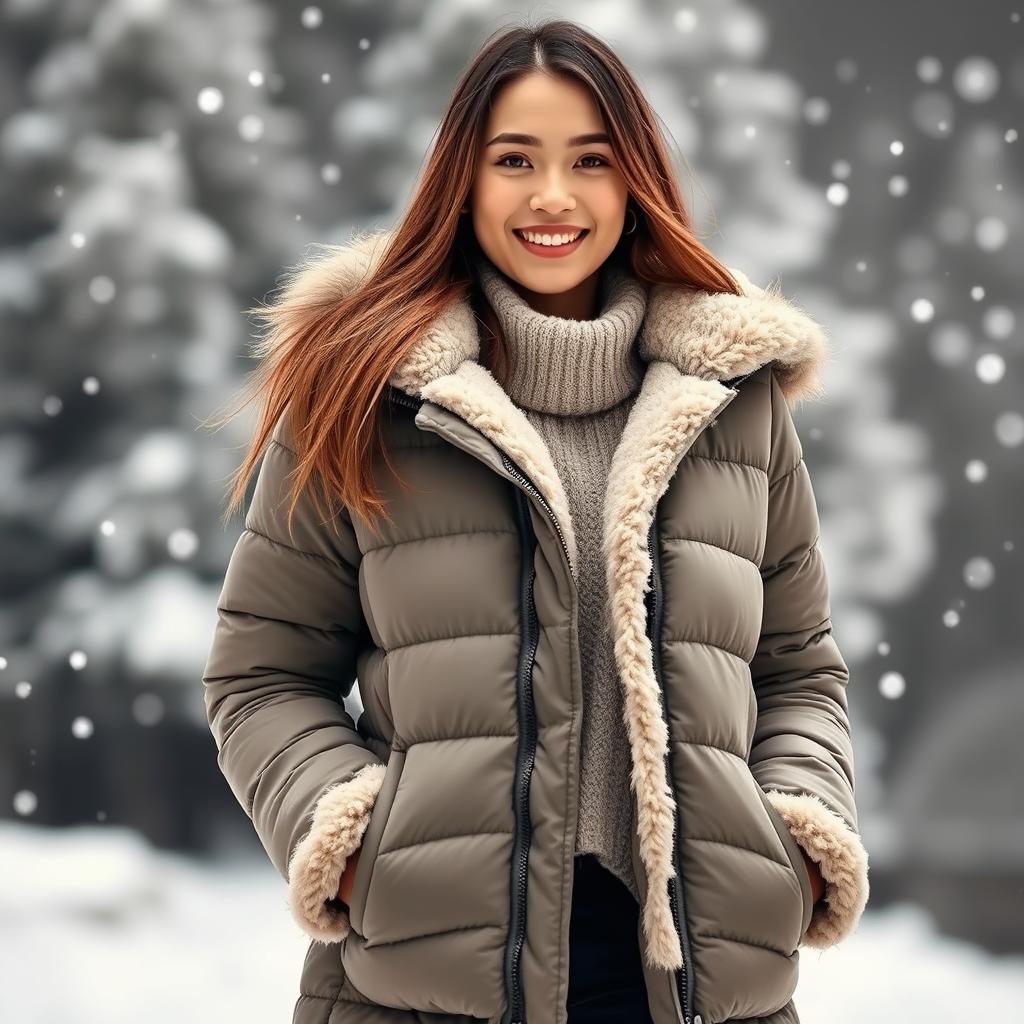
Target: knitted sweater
<point x="576" y="381"/>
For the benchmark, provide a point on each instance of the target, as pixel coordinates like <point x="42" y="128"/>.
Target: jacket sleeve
<point x="282" y="661"/>
<point x="802" y="755"/>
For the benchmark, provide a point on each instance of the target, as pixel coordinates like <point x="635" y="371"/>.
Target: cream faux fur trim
<point x="320" y="277"/>
<point x="472" y="393"/>
<point x="317" y="863"/>
<point x="722" y="336"/>
<point x="669" y="412"/>
<point x="840" y="855"/>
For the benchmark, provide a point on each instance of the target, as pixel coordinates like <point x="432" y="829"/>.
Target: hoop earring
<point x="636" y="222"/>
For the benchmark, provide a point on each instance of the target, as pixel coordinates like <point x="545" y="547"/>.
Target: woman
<point x="546" y="501"/>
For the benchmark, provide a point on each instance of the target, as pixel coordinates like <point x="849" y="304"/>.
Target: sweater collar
<point x="569" y="367"/>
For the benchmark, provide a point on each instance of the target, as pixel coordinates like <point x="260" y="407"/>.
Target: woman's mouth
<point x="552" y="251"/>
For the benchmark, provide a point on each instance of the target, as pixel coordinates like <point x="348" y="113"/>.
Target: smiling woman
<point x="603" y="710"/>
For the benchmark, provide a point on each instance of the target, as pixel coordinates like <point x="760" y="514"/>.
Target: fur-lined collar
<point x="703" y="334"/>
<point x="692" y="341"/>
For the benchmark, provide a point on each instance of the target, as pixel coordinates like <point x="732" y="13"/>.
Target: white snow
<point x="100" y="928"/>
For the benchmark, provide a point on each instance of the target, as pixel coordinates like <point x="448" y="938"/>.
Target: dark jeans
<point x="606" y="980"/>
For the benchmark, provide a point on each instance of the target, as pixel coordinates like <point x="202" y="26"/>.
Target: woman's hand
<point x="345" y="888"/>
<point x="817" y="881"/>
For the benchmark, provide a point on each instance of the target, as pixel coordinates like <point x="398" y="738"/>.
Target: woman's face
<point x="556" y="182"/>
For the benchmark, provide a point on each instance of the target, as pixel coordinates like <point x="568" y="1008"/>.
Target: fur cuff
<point x="314" y="872"/>
<point x="841" y="857"/>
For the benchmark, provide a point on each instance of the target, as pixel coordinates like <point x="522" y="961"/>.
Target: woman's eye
<point x="516" y="156"/>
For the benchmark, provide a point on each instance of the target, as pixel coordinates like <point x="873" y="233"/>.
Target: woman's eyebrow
<point x="519" y="139"/>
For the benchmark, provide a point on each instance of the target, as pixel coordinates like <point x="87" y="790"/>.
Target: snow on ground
<point x="97" y="926"/>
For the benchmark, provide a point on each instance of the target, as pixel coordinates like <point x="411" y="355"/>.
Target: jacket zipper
<point x="525" y="756"/>
<point x="527" y="748"/>
<point x="528" y="485"/>
<point x="517" y="1010"/>
<point x="399" y="397"/>
<point x="516" y="1013"/>
<point x="683" y="976"/>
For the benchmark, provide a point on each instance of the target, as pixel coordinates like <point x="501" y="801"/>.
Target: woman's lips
<point x="552" y="251"/>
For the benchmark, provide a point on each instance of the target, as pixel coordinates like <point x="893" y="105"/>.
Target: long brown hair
<point x="329" y="371"/>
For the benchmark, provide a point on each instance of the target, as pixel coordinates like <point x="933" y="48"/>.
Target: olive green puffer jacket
<point x="459" y="782"/>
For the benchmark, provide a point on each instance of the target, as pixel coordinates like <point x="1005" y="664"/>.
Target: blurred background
<point x="162" y="162"/>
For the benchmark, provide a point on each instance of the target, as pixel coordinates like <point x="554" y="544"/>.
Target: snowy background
<point x="160" y="164"/>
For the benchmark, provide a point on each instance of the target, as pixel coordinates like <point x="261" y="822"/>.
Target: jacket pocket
<point x="372" y="838"/>
<point x="795" y="857"/>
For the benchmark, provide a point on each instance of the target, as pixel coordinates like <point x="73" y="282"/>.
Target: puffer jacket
<point x="459" y="782"/>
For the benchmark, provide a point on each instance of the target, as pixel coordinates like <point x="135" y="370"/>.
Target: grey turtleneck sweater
<point x="575" y="381"/>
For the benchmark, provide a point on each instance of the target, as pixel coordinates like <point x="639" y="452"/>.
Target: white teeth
<point x="549" y="239"/>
